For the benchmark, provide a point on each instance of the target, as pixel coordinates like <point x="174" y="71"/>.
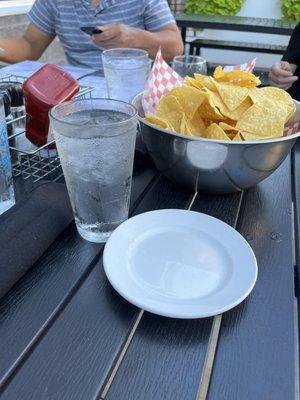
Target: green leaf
<point x="291" y="9"/>
<point x="214" y="7"/>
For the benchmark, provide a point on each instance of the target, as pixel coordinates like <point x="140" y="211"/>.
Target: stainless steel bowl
<point x="213" y="166"/>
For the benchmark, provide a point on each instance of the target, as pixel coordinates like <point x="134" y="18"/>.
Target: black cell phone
<point x="91" y="30"/>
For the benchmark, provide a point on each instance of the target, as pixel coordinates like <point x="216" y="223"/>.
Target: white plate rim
<point x="143" y="305"/>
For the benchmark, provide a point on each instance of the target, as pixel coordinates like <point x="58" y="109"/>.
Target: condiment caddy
<point x="34" y="162"/>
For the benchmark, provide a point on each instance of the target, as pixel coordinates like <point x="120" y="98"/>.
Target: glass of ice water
<point x="126" y="72"/>
<point x="95" y="139"/>
<point x="189" y="65"/>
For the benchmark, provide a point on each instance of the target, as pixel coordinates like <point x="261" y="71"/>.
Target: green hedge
<point x="291" y="9"/>
<point x="215" y="7"/>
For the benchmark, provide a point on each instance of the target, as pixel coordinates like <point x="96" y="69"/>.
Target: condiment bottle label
<point x="4" y="148"/>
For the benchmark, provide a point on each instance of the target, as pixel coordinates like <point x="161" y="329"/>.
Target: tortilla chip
<point x="238" y="78"/>
<point x="168" y="104"/>
<point x="232" y="96"/>
<point x="171" y="111"/>
<point x="208" y="110"/>
<point x="189" y="98"/>
<point x="158" y="121"/>
<point x="233" y="115"/>
<point x="274" y="94"/>
<point x="215" y="132"/>
<point x="205" y="81"/>
<point x="237" y="114"/>
<point x="184" y="129"/>
<point x="196" y="125"/>
<point x="252" y="137"/>
<point x="230" y="131"/>
<point x="264" y="119"/>
<point x="174" y="119"/>
<point x="270" y="92"/>
<point x="238" y="138"/>
<point x="226" y="127"/>
<point x="191" y="82"/>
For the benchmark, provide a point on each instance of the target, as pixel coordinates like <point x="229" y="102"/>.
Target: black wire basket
<point x="38" y="162"/>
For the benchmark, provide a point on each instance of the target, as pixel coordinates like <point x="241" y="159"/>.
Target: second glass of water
<point x="95" y="140"/>
<point x="189" y="65"/>
<point x="126" y="72"/>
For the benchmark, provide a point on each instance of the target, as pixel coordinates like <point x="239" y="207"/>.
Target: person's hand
<point x="282" y="75"/>
<point x="114" y="36"/>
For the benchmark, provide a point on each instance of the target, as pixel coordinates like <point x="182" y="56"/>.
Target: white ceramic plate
<point x="180" y="264"/>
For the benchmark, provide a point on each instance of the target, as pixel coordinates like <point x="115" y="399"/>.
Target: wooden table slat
<point x="27" y="309"/>
<point x="255" y="355"/>
<point x="40" y="295"/>
<point x="75" y="355"/>
<point x="166" y="356"/>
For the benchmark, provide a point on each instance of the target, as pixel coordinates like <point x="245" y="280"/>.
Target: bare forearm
<point x="28" y="47"/>
<point x="169" y="41"/>
<point x="120" y="35"/>
<point x="15" y="50"/>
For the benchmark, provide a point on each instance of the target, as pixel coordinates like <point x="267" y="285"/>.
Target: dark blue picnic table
<point x="65" y="334"/>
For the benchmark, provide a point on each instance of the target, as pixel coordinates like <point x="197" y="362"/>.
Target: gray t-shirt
<point x="65" y="17"/>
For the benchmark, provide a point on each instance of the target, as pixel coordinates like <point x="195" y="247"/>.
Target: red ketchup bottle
<point x="46" y="88"/>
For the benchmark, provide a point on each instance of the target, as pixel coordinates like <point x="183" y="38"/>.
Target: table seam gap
<point x="211" y="351"/>
<point x="117" y="362"/>
<point x="38" y="337"/>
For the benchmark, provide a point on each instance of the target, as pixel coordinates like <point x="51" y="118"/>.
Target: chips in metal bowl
<point x="228" y="106"/>
<point x="204" y="140"/>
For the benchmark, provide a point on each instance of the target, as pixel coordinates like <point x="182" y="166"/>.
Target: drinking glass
<point x="189" y="65"/>
<point x="126" y="72"/>
<point x="95" y="139"/>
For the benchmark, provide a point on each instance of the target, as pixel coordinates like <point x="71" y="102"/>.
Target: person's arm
<point x="292" y="53"/>
<point x="28" y="47"/>
<point x="119" y="35"/>
<point x="282" y="73"/>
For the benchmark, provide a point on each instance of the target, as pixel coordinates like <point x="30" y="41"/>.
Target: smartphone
<point x="90" y="30"/>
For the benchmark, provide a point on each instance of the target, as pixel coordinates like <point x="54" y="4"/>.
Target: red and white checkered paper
<point x="163" y="79"/>
<point x="248" y="66"/>
<point x="291" y="129"/>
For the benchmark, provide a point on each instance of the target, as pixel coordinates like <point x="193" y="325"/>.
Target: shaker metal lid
<point x="14" y="90"/>
<point x="6" y="101"/>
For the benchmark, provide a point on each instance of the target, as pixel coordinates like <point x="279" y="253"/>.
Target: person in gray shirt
<point x="143" y="24"/>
